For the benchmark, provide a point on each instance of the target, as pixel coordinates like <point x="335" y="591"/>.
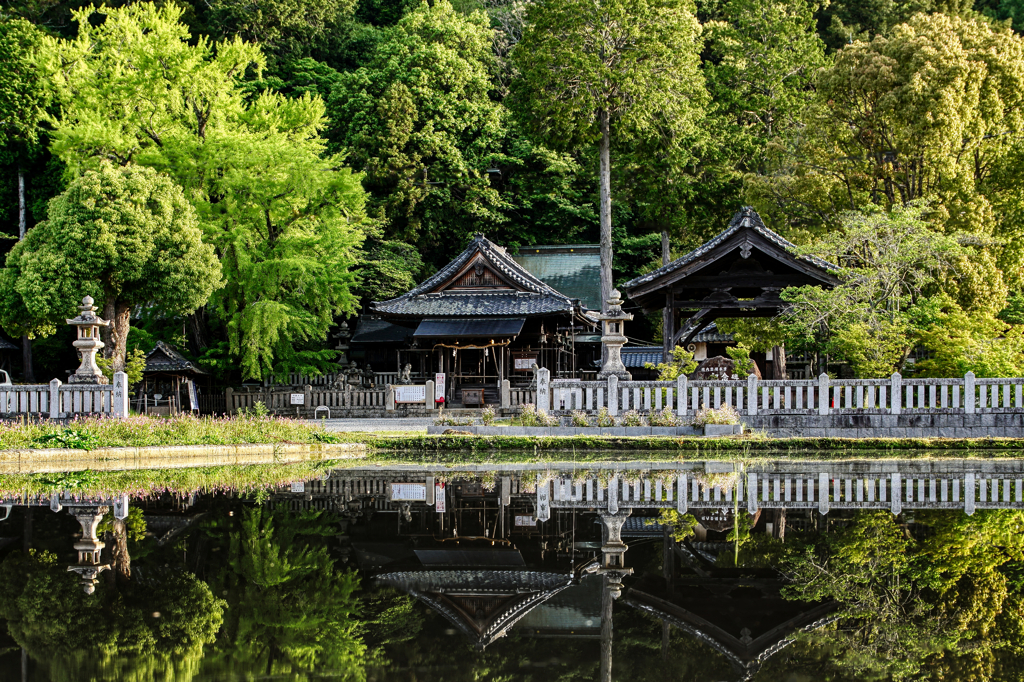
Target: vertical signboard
<point x="439" y="498"/>
<point x="439" y="387"/>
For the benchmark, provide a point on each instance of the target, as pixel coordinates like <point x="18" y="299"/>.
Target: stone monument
<point x="87" y="343"/>
<point x="613" y="337"/>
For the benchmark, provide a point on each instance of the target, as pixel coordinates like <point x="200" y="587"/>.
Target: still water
<point x="782" y="571"/>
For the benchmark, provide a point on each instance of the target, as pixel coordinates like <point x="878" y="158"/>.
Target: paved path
<point x="371" y="424"/>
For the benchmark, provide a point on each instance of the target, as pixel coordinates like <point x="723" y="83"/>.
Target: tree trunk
<point x="779" y="525"/>
<point x="121" y="560"/>
<point x="119" y="335"/>
<point x="606" y="633"/>
<point x="605" y="181"/>
<point x="197" y="330"/>
<point x="109" y="308"/>
<point x="26" y="343"/>
<point x="666" y="313"/>
<point x="778" y="362"/>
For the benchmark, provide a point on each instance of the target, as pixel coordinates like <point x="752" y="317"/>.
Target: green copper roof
<point x="571" y="269"/>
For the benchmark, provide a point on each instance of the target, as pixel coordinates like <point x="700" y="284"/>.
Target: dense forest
<point x="238" y="177"/>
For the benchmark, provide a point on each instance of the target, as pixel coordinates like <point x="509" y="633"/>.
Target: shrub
<point x="451" y="420"/>
<point x="530" y="416"/>
<point x="726" y="414"/>
<point x="579" y="418"/>
<point x="488" y="415"/>
<point x="632" y="418"/>
<point x="604" y="419"/>
<point x="663" y="418"/>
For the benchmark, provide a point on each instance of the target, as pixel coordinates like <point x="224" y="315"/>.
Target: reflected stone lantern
<point x="89" y="547"/>
<point x="87" y="343"/>
<point x="613" y="337"/>
<point x="613" y="552"/>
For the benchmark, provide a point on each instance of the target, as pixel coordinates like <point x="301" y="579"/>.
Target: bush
<point x="530" y="416"/>
<point x="579" y="418"/>
<point x="726" y="414"/>
<point x="451" y="420"/>
<point x="604" y="419"/>
<point x="632" y="418"/>
<point x="663" y="418"/>
<point x="488" y="415"/>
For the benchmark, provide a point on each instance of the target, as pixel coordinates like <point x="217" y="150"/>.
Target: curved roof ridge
<point x="746" y="217"/>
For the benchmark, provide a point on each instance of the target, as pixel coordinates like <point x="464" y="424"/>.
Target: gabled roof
<point x="165" y="358"/>
<point x="500" y="287"/>
<point x="746" y="231"/>
<point x="482" y="603"/>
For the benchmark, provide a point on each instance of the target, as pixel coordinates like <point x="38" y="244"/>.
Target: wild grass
<point x="94" y="432"/>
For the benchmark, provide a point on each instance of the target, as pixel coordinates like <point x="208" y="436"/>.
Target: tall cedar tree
<point x="591" y="71"/>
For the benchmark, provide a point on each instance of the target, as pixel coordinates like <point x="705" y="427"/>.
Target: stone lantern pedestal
<point x="613" y="337"/>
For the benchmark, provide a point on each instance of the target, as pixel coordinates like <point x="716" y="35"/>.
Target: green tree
<point x="587" y="68"/>
<point x="283" y="215"/>
<point x="126" y="236"/>
<point x="285" y="27"/>
<point x="420" y="121"/>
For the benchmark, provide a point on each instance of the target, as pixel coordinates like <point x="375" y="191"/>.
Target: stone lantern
<point x="613" y="337"/>
<point x="343" y="335"/>
<point x="87" y="343"/>
<point x="613" y="552"/>
<point x="89" y="547"/>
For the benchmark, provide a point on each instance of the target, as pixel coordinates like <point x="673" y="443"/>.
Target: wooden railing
<point x="57" y="400"/>
<point x="325" y="380"/>
<point x="288" y="401"/>
<point x="823" y="396"/>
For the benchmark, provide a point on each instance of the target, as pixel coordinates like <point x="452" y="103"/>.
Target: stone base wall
<point x="913" y="425"/>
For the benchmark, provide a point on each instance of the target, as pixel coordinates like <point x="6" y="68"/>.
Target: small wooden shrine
<point x="739" y="273"/>
<point x="481" y="319"/>
<point x="169" y="382"/>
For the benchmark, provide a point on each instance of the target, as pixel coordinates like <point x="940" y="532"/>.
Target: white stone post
<point x="751" y="492"/>
<point x="613" y="395"/>
<point x="896" y="488"/>
<point x="751" y="395"/>
<point x="390" y="398"/>
<point x="119" y="396"/>
<point x="506" y="394"/>
<point x="969" y="396"/>
<point x="823" y="391"/>
<point x="895" y="393"/>
<point x="823" y="505"/>
<point x="543" y="389"/>
<point x="682" y="398"/>
<point x="428" y="395"/>
<point x="55" y="399"/>
<point x="969" y="491"/>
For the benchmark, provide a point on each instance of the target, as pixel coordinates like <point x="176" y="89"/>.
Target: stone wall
<point x="913" y="425"/>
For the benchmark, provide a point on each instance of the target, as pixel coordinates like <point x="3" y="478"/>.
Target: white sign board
<point x="438" y="386"/>
<point x="298" y="487"/>
<point x="439" y="501"/>
<point x="193" y="397"/>
<point x="526" y="521"/>
<point x="525" y="363"/>
<point x="412" y="492"/>
<point x="298" y="398"/>
<point x="410" y="394"/>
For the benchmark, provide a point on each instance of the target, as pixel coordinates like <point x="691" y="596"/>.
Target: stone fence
<point x="57" y="400"/>
<point x="823" y="396"/>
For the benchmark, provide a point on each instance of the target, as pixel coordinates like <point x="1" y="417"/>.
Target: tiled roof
<point x="746" y="217"/>
<point x="371" y="329"/>
<point x="573" y="269"/>
<point x="536" y="297"/>
<point x="165" y="358"/>
<point x="638" y="356"/>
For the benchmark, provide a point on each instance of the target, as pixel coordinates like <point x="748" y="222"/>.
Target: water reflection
<point x="410" y="574"/>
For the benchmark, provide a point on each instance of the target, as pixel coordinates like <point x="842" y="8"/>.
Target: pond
<point x="630" y="570"/>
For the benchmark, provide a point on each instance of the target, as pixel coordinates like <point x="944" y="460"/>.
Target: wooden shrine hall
<point x="485" y="318"/>
<point x="738" y="273"/>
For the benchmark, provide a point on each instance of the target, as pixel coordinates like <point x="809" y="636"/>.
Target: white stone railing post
<point x="390" y="399"/>
<point x="969" y="396"/>
<point x="895" y="393"/>
<point x="229" y="400"/>
<point x="613" y="395"/>
<point x="752" y="394"/>
<point x="823" y="392"/>
<point x="682" y="397"/>
<point x="506" y="394"/>
<point x="119" y="396"/>
<point x="55" y="399"/>
<point x="543" y="389"/>
<point x="428" y="395"/>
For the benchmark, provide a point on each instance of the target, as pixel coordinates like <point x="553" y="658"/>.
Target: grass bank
<point x="93" y="432"/>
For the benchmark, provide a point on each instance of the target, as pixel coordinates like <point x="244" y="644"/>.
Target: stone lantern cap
<point x="88" y="317"/>
<point x="615" y="311"/>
